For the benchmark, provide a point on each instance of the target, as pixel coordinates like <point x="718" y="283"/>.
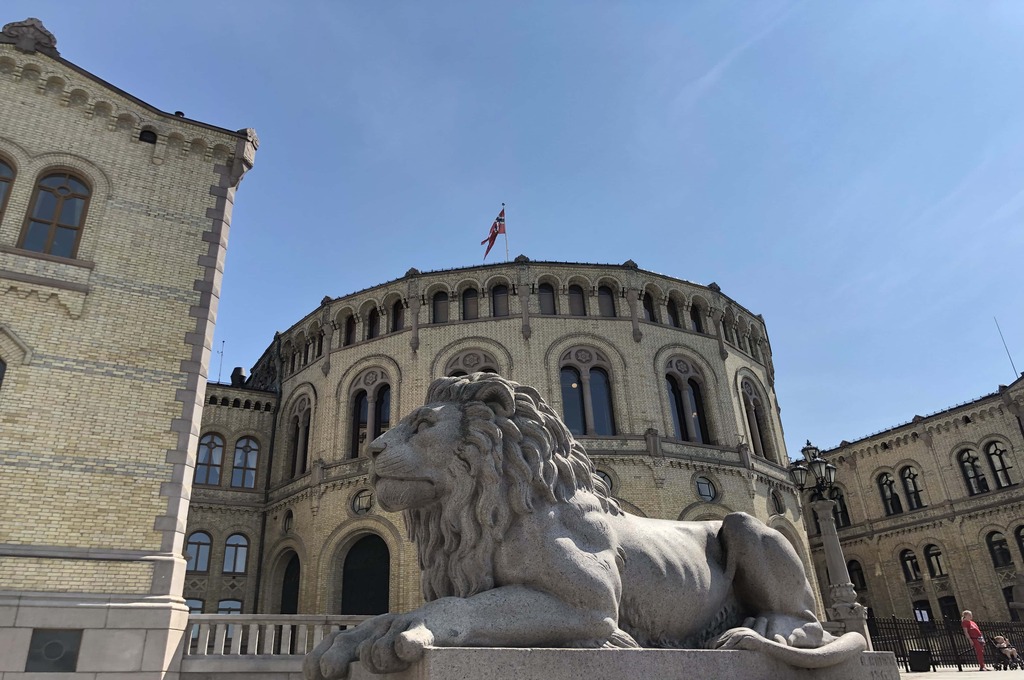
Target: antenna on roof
<point x="1015" y="373"/>
<point x="220" y="367"/>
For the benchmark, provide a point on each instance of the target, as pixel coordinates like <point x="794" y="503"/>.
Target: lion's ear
<point x="499" y="395"/>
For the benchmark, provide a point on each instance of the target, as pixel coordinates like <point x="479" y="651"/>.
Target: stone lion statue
<point x="521" y="545"/>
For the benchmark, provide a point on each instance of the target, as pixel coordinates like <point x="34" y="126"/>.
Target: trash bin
<point x="920" y="660"/>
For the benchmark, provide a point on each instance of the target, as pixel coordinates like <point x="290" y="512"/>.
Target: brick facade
<point x="314" y="368"/>
<point x="106" y="347"/>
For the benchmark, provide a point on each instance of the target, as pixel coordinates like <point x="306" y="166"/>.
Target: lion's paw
<point x="740" y="638"/>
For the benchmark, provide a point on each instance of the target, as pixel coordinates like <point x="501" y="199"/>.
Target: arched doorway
<point x="290" y="587"/>
<point x="365" y="577"/>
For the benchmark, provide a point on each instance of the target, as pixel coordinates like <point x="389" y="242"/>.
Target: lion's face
<point x="410" y="461"/>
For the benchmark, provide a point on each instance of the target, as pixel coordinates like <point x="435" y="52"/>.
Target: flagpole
<point x="506" y="232"/>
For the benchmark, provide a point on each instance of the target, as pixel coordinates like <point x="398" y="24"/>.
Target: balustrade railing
<point x="260" y="634"/>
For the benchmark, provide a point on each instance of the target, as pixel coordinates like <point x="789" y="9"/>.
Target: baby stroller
<point x="1003" y="661"/>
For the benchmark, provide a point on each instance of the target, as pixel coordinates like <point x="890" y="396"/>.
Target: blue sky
<point x="852" y="171"/>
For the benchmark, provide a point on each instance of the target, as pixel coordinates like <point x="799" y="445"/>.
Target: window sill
<point x="65" y="279"/>
<point x="86" y="264"/>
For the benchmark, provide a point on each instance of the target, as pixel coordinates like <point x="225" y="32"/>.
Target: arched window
<point x="208" y="459"/>
<point x="382" y="411"/>
<point x="439" y="307"/>
<point x="605" y="301"/>
<point x="236" y="551"/>
<point x="499" y="300"/>
<point x="1019" y="534"/>
<point x="586" y="392"/>
<point x="686" y="401"/>
<point x="350" y="331"/>
<point x="778" y="505"/>
<point x="911" y="487"/>
<point x="291" y="582"/>
<point x="673" y="314"/>
<point x="840" y="512"/>
<point x="890" y="499"/>
<point x="197" y="550"/>
<point x="546" y="297"/>
<point x="999" y="550"/>
<point x="974" y="478"/>
<point x="470" y="304"/>
<point x="320" y="343"/>
<point x="695" y="322"/>
<point x="996" y="454"/>
<point x="471" y="361"/>
<point x="933" y="558"/>
<point x="360" y="421"/>
<point x="397" y="316"/>
<point x="372" y="324"/>
<point x="54" y="224"/>
<point x="365" y="577"/>
<point x="860" y="584"/>
<point x="577" y="301"/>
<point x="243" y="471"/>
<point x="911" y="569"/>
<point x="6" y="180"/>
<point x="650" y="314"/>
<point x="757" y="421"/>
<point x="299" y="442"/>
<point x="3" y="370"/>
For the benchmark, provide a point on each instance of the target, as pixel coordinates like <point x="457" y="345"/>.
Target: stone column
<point x="716" y="318"/>
<point x="632" y="298"/>
<point x="843" y="605"/>
<point x="524" y="304"/>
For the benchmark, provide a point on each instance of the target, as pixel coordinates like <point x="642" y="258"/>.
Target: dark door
<point x="365" y="577"/>
<point x="290" y="587"/>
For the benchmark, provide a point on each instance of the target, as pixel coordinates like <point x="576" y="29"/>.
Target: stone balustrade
<point x="261" y="634"/>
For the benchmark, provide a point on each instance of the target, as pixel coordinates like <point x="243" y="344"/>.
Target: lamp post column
<point x="843" y="605"/>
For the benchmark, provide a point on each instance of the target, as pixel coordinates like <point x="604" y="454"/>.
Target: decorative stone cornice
<point x="30" y="36"/>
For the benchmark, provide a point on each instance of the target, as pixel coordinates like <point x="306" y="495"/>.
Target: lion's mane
<point x="514" y="455"/>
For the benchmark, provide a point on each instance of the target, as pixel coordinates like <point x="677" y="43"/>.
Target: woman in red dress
<point x="973" y="634"/>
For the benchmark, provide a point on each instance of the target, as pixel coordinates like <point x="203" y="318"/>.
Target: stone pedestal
<point x="464" y="663"/>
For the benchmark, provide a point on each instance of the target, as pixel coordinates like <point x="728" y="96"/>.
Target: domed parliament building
<point x="668" y="384"/>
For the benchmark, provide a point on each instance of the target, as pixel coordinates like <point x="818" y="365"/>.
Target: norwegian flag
<point x="497" y="228"/>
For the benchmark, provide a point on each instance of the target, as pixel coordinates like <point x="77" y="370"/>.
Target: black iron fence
<point x="926" y="645"/>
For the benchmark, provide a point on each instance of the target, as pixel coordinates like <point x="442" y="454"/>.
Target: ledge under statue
<point x="522" y="546"/>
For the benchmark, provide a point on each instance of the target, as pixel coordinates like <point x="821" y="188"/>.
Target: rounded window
<point x="777" y="503"/>
<point x="603" y="476"/>
<point x="706" y="489"/>
<point x="362" y="502"/>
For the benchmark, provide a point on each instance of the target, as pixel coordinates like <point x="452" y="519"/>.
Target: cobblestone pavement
<point x="954" y="674"/>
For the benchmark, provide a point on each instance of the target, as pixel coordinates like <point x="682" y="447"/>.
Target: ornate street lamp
<point x="817" y="473"/>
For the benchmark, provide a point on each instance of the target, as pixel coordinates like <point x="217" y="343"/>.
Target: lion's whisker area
<point x="530" y="569"/>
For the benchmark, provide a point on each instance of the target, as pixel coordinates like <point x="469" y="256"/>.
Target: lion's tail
<point x="841" y="649"/>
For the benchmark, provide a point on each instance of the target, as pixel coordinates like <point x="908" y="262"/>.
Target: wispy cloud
<point x="693" y="91"/>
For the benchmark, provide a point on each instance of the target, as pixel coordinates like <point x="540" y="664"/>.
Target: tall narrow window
<point x="577" y="301"/>
<point x="197" y="551"/>
<point x="572" y="399"/>
<point x="650" y="314"/>
<point x="695" y="323"/>
<point x="974" y="478"/>
<point x="397" y="316"/>
<point x="6" y="179"/>
<point x="912" y="488"/>
<point x="470" y="304"/>
<point x="911" y="569"/>
<point x="243" y="471"/>
<point x="999" y="550"/>
<point x="439" y="305"/>
<point x="3" y="369"/>
<point x="1019" y="533"/>
<point x="372" y="324"/>
<point x="54" y="225"/>
<point x="299" y="440"/>
<point x="208" y="459"/>
<point x="757" y="421"/>
<point x="673" y="313"/>
<point x="236" y="550"/>
<point x="933" y="558"/>
<point x="1000" y="466"/>
<point x="360" y="418"/>
<point x="856" y="571"/>
<point x="923" y="611"/>
<point x="890" y="499"/>
<point x="605" y="301"/>
<point x="675" y="399"/>
<point x="840" y="512"/>
<point x="350" y="331"/>
<point x="546" y="297"/>
<point x="382" y="411"/>
<point x="601" y="397"/>
<point x="499" y="300"/>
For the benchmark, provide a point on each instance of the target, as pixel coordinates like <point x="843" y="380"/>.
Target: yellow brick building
<point x="114" y="219"/>
<point x="669" y="385"/>
<point x="932" y="519"/>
